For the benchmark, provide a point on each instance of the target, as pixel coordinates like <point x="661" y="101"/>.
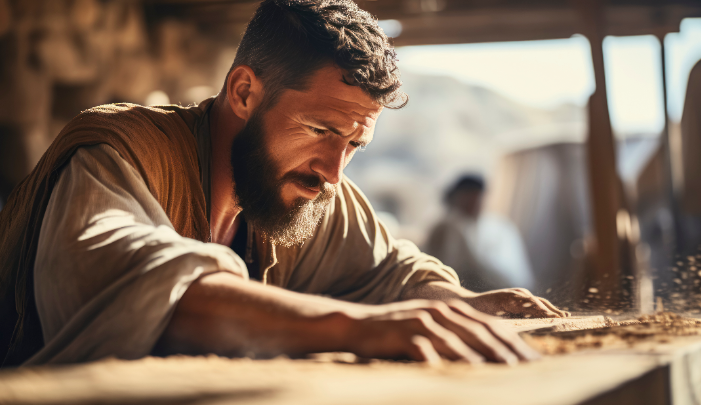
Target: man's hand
<point x="510" y="302"/>
<point x="516" y="303"/>
<point x="425" y="330"/>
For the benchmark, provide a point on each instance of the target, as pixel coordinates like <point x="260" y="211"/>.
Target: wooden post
<point x="674" y="178"/>
<point x="604" y="181"/>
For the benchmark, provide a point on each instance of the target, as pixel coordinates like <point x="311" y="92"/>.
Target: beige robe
<point x="110" y="267"/>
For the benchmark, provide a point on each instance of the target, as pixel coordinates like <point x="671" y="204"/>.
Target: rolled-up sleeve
<point x="353" y="257"/>
<point x="110" y="267"/>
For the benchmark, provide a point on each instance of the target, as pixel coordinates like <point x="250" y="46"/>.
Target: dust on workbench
<point x="660" y="327"/>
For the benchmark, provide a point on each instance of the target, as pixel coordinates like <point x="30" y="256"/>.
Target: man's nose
<point x="329" y="164"/>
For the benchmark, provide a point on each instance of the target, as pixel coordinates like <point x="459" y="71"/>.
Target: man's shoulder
<point x="155" y="141"/>
<point x="127" y="115"/>
<point x="131" y="129"/>
<point x="135" y="112"/>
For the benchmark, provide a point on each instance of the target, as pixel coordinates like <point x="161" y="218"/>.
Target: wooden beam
<point x="460" y="21"/>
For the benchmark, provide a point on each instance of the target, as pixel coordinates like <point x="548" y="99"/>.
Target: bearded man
<point x="229" y="228"/>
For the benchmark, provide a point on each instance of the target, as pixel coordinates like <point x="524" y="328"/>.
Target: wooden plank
<point x="560" y="324"/>
<point x="597" y="376"/>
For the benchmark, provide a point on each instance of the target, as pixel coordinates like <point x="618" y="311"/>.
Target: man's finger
<point x="514" y="341"/>
<point x="446" y="343"/>
<point x="533" y="308"/>
<point x="508" y="337"/>
<point x="550" y="312"/>
<point x="555" y="309"/>
<point x="422" y="350"/>
<point x="474" y="334"/>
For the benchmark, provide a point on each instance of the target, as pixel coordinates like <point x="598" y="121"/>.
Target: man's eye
<point x="358" y="146"/>
<point x="319" y="131"/>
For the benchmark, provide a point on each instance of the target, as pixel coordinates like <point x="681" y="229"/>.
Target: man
<point x="118" y="242"/>
<point x="485" y="250"/>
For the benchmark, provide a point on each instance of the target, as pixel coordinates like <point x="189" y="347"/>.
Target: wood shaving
<point x="656" y="328"/>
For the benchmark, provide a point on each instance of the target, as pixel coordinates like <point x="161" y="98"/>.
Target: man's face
<point x="468" y="202"/>
<point x="288" y="159"/>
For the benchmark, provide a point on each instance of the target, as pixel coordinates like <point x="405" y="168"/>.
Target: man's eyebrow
<point x="324" y="123"/>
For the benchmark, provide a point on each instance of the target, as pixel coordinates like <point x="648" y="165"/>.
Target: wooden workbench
<point x="645" y="374"/>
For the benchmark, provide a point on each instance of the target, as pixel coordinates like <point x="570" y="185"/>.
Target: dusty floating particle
<point x="528" y="305"/>
<point x="693" y="268"/>
<point x="683" y="274"/>
<point x="585" y="301"/>
<point x="630" y="277"/>
<point x="500" y="313"/>
<point x="593" y="290"/>
<point x="691" y="259"/>
<point x="678" y="281"/>
<point x="550" y="289"/>
<point x="566" y="308"/>
<point x="699" y="273"/>
<point x="680" y="263"/>
<point x="527" y="316"/>
<point x="675" y="269"/>
<point x="608" y="311"/>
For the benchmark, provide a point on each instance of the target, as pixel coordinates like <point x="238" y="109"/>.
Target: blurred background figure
<point x="485" y="249"/>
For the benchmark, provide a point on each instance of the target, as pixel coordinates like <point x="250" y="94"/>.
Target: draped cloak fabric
<point x="157" y="142"/>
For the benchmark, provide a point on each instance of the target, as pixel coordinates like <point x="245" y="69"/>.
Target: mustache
<point x="307" y="180"/>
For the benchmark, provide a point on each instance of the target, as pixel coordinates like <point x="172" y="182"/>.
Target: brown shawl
<point x="158" y="142"/>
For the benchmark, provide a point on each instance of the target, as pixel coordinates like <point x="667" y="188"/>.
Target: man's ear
<point x="244" y="91"/>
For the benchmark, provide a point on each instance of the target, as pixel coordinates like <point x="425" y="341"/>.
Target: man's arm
<point x="354" y="258"/>
<point x="112" y="275"/>
<point x="517" y="302"/>
<point x="224" y="314"/>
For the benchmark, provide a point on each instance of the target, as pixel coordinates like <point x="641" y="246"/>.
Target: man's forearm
<point x="224" y="314"/>
<point x="435" y="290"/>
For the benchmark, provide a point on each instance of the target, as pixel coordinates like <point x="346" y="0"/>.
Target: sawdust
<point x="657" y="328"/>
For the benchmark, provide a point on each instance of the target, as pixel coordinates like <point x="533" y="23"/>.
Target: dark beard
<point x="258" y="191"/>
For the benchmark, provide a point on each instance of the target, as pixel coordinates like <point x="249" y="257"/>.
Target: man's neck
<point x="224" y="125"/>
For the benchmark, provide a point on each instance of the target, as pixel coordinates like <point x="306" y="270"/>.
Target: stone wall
<point x="59" y="57"/>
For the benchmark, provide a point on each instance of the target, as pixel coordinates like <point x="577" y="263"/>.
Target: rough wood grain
<point x="655" y="374"/>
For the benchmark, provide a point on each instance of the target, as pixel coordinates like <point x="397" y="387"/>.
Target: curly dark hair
<point x="288" y="40"/>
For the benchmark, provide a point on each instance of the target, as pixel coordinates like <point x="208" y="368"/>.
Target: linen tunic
<point x="110" y="267"/>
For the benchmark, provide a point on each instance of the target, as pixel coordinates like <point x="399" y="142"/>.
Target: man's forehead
<point x="327" y="90"/>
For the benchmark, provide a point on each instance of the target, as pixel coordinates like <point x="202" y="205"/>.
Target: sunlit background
<point x="515" y="113"/>
<point x="481" y="101"/>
